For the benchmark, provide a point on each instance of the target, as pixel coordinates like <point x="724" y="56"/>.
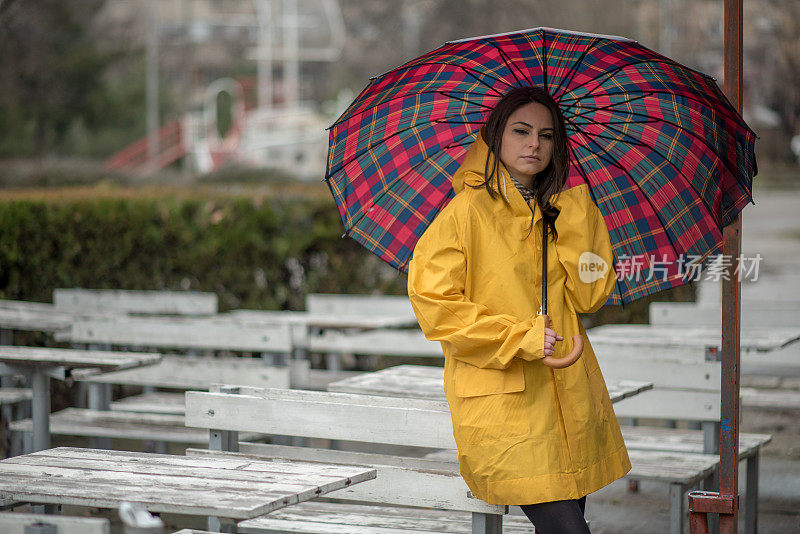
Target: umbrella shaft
<point x="544" y="268"/>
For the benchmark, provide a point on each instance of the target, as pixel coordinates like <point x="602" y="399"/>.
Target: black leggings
<point x="558" y="517"/>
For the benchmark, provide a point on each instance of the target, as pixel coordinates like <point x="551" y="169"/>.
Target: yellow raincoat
<point x="526" y="433"/>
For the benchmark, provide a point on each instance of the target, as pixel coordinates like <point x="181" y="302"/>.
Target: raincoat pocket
<point x="491" y="402"/>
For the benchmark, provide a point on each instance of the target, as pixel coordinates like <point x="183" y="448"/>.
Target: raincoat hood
<point x="472" y="174"/>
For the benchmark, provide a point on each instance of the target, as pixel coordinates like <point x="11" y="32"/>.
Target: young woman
<point x="533" y="427"/>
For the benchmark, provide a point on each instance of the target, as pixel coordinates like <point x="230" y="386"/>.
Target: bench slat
<point x="181" y="333"/>
<point x="159" y="302"/>
<point x="153" y="402"/>
<point x="181" y="372"/>
<point x="671" y="467"/>
<point x="689" y="441"/>
<point x="15" y="395"/>
<point x="15" y="523"/>
<point x="125" y="425"/>
<point x="325" y="518"/>
<point x="660" y="403"/>
<point x="371" y="419"/>
<point x="772" y="399"/>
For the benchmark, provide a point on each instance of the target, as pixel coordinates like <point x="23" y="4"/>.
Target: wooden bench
<point x="183" y="373"/>
<point x="365" y="305"/>
<point x="154" y="415"/>
<point x="136" y="302"/>
<point x="227" y="334"/>
<point x="343" y="304"/>
<point x="401" y="481"/>
<point x="19" y="523"/>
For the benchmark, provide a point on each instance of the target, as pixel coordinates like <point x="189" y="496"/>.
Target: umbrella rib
<point x="585" y="177"/>
<point x="383" y="140"/>
<point x="364" y="210"/>
<point x="469" y="71"/>
<point x="574" y="70"/>
<point x="625" y="171"/>
<point x="592" y="109"/>
<point x="724" y="111"/>
<point x="459" y="122"/>
<point x="544" y="62"/>
<point x="690" y="132"/>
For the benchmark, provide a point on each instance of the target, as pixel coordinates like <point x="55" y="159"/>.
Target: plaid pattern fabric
<point x="668" y="160"/>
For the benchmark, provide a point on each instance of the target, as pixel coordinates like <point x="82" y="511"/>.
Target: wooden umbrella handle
<point x="569" y="359"/>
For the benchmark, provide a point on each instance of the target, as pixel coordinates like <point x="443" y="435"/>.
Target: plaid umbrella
<point x="668" y="160"/>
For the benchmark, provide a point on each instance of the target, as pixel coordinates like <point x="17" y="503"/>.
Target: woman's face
<point x="527" y="145"/>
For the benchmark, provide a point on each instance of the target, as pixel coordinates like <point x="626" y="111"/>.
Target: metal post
<point x="731" y="296"/>
<point x="41" y="410"/>
<point x="265" y="23"/>
<point x="6" y="336"/>
<point x="100" y="399"/>
<point x="487" y="523"/>
<point x="223" y="440"/>
<point x="291" y="60"/>
<point x="152" y="86"/>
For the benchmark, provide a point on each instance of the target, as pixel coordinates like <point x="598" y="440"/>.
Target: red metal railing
<point x="135" y="157"/>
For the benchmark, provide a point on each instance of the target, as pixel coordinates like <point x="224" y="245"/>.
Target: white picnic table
<point x="759" y="338"/>
<point x="44" y="363"/>
<point x="426" y="382"/>
<point x="232" y="488"/>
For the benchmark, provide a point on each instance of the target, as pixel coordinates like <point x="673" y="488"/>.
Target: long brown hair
<point x="552" y="179"/>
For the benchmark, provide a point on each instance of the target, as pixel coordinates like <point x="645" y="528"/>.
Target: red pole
<point x="731" y="295"/>
<point x="726" y="501"/>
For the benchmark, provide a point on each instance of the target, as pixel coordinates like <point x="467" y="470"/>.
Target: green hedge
<point x="253" y="252"/>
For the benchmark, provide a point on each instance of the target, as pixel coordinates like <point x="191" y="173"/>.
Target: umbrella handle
<point x="569" y="359"/>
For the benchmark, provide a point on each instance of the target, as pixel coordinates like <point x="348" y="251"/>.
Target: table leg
<point x="41" y="409"/>
<point x="6" y="336"/>
<point x="100" y="399"/>
<point x="49" y="509"/>
<point x="216" y="525"/>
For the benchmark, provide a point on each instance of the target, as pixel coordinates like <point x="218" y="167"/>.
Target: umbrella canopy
<point x="668" y="160"/>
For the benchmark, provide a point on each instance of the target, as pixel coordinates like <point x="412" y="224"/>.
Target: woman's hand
<point x="550" y="338"/>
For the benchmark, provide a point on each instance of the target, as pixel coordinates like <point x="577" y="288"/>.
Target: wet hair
<point x="552" y="179"/>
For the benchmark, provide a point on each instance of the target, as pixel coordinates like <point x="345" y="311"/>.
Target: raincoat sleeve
<point x="436" y="287"/>
<point x="584" y="251"/>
